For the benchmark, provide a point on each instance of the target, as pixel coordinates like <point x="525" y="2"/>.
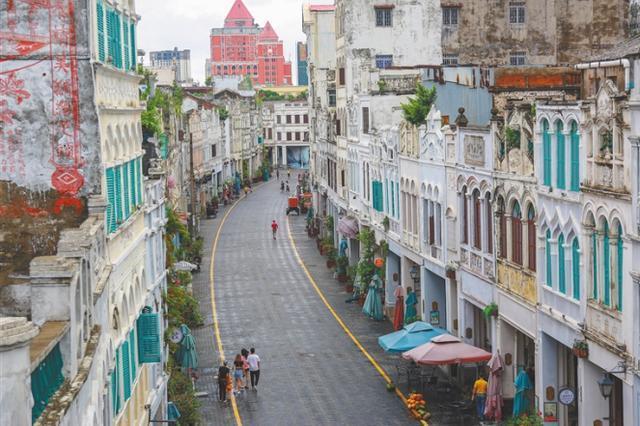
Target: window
<point x="546" y="153"/>
<point x="489" y="216"/>
<point x="384" y="61"/>
<point x="575" y="157"/>
<point x="383" y="16"/>
<point x="365" y="119"/>
<point x="279" y="119"/>
<point x="297" y="136"/>
<point x="516" y="234"/>
<point x="278" y="136"/>
<point x="548" y="260"/>
<point x="531" y="238"/>
<point x="503" y="229"/>
<point x="560" y="172"/>
<point x="619" y="255"/>
<point x="377" y="195"/>
<point x="288" y="119"/>
<point x="516" y="13"/>
<point x="214" y="150"/>
<point x="450" y="59"/>
<point x="562" y="283"/>
<point x="432" y="225"/>
<point x="341" y="77"/>
<point x="305" y="119"/>
<point x="517" y="58"/>
<point x="477" y="221"/>
<point x="270" y="133"/>
<point x="575" y="266"/>
<point x="450" y="16"/>
<point x="306" y="136"/>
<point x="342" y="177"/>
<point x="606" y="256"/>
<point x="465" y="217"/>
<point x="289" y="136"/>
<point x="594" y="260"/>
<point x="296" y="119"/>
<point x="338" y="129"/>
<point x="331" y="94"/>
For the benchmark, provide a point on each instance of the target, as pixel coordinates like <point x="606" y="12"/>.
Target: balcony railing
<point x="517" y="281"/>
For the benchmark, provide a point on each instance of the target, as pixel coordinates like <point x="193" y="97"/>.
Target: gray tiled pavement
<point x="312" y="373"/>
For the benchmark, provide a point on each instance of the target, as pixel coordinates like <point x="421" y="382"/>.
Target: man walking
<point x="223" y="378"/>
<point x="254" y="368"/>
<point x="274" y="230"/>
<point x="479" y="394"/>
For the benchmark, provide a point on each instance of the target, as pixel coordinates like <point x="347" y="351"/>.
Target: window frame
<point x="517" y="13"/>
<point x="384" y="61"/>
<point x="383" y="16"/>
<point x="447" y="15"/>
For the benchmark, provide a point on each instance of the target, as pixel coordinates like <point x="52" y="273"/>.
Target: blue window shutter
<point x="133" y="355"/>
<point x="148" y="338"/>
<point x="607" y="265"/>
<point x="127" y="188"/>
<point x="132" y="183"/>
<point x="575" y="157"/>
<point x="114" y="390"/>
<point x="620" y="274"/>
<point x="111" y="195"/>
<point x="560" y="178"/>
<point x="562" y="284"/>
<point x="575" y="261"/>
<point x="118" y="195"/>
<point x="125" y="34"/>
<point x="546" y="154"/>
<point x="548" y="253"/>
<point x="45" y="381"/>
<point x="100" y="27"/>
<point x="132" y="34"/>
<point x="594" y="248"/>
<point x="140" y="181"/>
<point x="118" y="34"/>
<point x="117" y="370"/>
<point x="126" y="370"/>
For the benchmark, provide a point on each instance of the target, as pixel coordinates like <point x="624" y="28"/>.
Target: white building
<point x="285" y="131"/>
<point x="178" y="61"/>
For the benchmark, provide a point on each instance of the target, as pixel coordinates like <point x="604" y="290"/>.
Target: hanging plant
<point x="491" y="310"/>
<point x="580" y="348"/>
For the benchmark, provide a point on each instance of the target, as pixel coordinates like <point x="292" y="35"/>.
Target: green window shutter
<point x="118" y="195"/>
<point x="148" y="338"/>
<point x="118" y="403"/>
<point x="127" y="53"/>
<point x="562" y="284"/>
<point x="111" y="48"/>
<point x="575" y="157"/>
<point x="114" y="390"/>
<point x="560" y="178"/>
<point x="132" y="34"/>
<point x="100" y="27"/>
<point x="575" y="262"/>
<point x="111" y="195"/>
<point x="133" y="356"/>
<point x="620" y="274"/>
<point x="127" y="189"/>
<point x="393" y="201"/>
<point x="132" y="183"/>
<point x="140" y="181"/>
<point x="607" y="265"/>
<point x="126" y="370"/>
<point x="377" y="196"/>
<point x="45" y="381"/>
<point x="594" y="248"/>
<point x="548" y="253"/>
<point x="546" y="153"/>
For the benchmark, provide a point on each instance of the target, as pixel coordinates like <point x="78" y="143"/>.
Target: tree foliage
<point x="181" y="393"/>
<point x="417" y="109"/>
<point x="223" y="113"/>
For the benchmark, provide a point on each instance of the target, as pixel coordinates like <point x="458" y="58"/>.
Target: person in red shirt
<point x="274" y="228"/>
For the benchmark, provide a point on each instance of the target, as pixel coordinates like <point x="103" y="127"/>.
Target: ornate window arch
<point x="546" y="153"/>
<point x="562" y="281"/>
<point x="575" y="266"/>
<point x="560" y="155"/>
<point x="575" y="157"/>
<point x="516" y="233"/>
<point x="531" y="238"/>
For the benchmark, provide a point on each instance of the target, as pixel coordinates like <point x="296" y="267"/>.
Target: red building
<point x="242" y="48"/>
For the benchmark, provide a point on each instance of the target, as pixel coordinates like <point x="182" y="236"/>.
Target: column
<point x="284" y="155"/>
<point x="613" y="251"/>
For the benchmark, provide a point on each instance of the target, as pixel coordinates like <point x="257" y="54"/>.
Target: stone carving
<point x="474" y="150"/>
<point x="397" y="84"/>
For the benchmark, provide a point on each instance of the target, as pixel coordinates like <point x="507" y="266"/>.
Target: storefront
<point x="435" y="299"/>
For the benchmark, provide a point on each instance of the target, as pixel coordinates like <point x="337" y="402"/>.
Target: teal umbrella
<point x="410" y="336"/>
<point x="521" y="400"/>
<point x="373" y="303"/>
<point x="187" y="354"/>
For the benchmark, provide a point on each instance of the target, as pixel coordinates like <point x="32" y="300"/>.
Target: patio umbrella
<point x="493" y="406"/>
<point x="521" y="401"/>
<point x="411" y="336"/>
<point x="348" y="226"/>
<point x="183" y="265"/>
<point x="446" y="349"/>
<point x="373" y="303"/>
<point x="187" y="354"/>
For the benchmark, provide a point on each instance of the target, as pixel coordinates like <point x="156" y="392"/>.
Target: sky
<point x="185" y="24"/>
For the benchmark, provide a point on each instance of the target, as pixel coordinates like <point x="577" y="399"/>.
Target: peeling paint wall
<point x="553" y="32"/>
<point x="49" y="150"/>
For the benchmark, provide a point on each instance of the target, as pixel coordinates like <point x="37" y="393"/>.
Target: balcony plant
<point x="385" y="223"/>
<point x="331" y="257"/>
<point x="491" y="310"/>
<point x="580" y="348"/>
<point x="351" y="276"/>
<point x="341" y="268"/>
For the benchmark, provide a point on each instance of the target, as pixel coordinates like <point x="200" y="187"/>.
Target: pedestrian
<point x="278" y="174"/>
<point x="274" y="228"/>
<point x="223" y="376"/>
<point x="238" y="373"/>
<point x="287" y="187"/>
<point x="245" y="367"/>
<point x="479" y="394"/>
<point x="281" y="186"/>
<point x="254" y="368"/>
<point x="288" y="173"/>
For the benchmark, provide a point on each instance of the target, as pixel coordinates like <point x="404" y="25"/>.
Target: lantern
<point x="378" y="262"/>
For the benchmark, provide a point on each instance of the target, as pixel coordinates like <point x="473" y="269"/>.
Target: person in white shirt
<point x="254" y="368"/>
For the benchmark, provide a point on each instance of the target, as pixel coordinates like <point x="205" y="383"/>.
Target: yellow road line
<point x="216" y="328"/>
<point x="344" y="327"/>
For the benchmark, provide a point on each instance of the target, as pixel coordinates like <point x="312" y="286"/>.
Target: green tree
<point x="208" y="81"/>
<point x="223" y="113"/>
<point x="416" y="110"/>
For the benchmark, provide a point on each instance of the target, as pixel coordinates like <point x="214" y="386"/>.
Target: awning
<point x="348" y="226"/>
<point x="446" y="349"/>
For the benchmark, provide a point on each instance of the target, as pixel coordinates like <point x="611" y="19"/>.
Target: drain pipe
<point x="614" y="63"/>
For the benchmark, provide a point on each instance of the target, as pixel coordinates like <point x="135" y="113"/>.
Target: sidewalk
<point x="367" y="331"/>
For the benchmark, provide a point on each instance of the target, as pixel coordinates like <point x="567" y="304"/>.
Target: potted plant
<point x="491" y="310"/>
<point x="331" y="257"/>
<point x="385" y="223"/>
<point x="341" y="268"/>
<point x="351" y="276"/>
<point x="580" y="348"/>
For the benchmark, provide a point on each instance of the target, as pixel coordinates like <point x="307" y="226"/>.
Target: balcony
<point x="517" y="281"/>
<point x="477" y="262"/>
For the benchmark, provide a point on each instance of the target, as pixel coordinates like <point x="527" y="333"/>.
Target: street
<point x="312" y="372"/>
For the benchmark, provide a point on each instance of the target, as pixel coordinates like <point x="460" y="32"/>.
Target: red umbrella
<point x="493" y="406"/>
<point x="446" y="349"/>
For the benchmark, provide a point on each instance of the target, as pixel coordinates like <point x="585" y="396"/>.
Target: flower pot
<point x="331" y="264"/>
<point x="342" y="278"/>
<point x="349" y="288"/>
<point x="361" y="300"/>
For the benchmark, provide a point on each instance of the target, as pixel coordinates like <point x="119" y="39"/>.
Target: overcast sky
<point x="185" y="24"/>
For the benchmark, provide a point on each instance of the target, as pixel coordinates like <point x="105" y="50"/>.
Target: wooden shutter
<point x="503" y="235"/>
<point x="489" y="227"/>
<point x="100" y="27"/>
<point x="126" y="193"/>
<point x="575" y="158"/>
<point x="365" y="119"/>
<point x="560" y="157"/>
<point x="127" y="52"/>
<point x="133" y="355"/>
<point x="133" y="192"/>
<point x="126" y="370"/>
<point x="531" y="243"/>
<point x="465" y="219"/>
<point x="118" y="195"/>
<point x="477" y="222"/>
<point x="132" y="40"/>
<point x="516" y="231"/>
<point x="148" y="338"/>
<point x="432" y="232"/>
<point x="111" y="210"/>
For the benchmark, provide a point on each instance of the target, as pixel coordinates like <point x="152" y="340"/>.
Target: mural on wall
<point x="49" y="142"/>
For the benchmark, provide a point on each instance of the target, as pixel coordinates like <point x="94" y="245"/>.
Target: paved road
<point x="312" y="373"/>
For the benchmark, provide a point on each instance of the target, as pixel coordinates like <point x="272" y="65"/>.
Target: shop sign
<point x="566" y="396"/>
<point x="435" y="317"/>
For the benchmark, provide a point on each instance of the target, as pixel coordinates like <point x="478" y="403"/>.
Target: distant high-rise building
<point x="301" y="58"/>
<point x="179" y="60"/>
<point x="243" y="48"/>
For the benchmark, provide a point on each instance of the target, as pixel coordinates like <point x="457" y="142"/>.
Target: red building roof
<point x="238" y="16"/>
<point x="268" y="33"/>
<point x="321" y="7"/>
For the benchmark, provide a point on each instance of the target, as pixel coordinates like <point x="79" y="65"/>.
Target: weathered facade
<point x="285" y="131"/>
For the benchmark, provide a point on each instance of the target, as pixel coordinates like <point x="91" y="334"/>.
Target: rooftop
<point x="630" y="47"/>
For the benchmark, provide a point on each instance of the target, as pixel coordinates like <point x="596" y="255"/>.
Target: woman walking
<point x="245" y="367"/>
<point x="238" y="373"/>
<point x="410" y="314"/>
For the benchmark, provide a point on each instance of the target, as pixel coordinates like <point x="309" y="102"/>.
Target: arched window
<point x="575" y="157"/>
<point x="516" y="234"/>
<point x="620" y="274"/>
<point x="560" y="178"/>
<point x="575" y="263"/>
<point x="606" y="253"/>
<point x="594" y="260"/>
<point x="477" y="221"/>
<point x="562" y="283"/>
<point x="503" y="229"/>
<point x="465" y="217"/>
<point x="546" y="153"/>
<point x="548" y="260"/>
<point x="531" y="238"/>
<point x="489" y="215"/>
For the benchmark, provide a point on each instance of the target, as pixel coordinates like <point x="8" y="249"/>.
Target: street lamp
<point x="606" y="385"/>
<point x="415" y="274"/>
